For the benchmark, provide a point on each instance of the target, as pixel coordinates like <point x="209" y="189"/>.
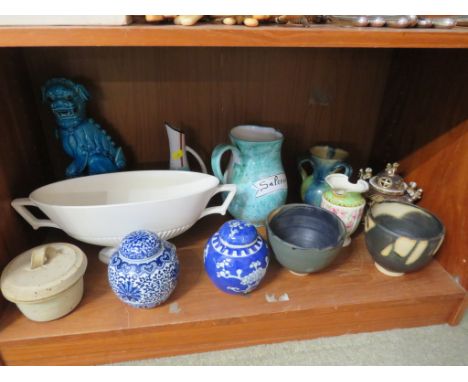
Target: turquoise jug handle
<point x="301" y="169"/>
<point x="216" y="159"/>
<point x="348" y="170"/>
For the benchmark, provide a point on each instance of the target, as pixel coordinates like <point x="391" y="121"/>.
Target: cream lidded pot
<point x="45" y="282"/>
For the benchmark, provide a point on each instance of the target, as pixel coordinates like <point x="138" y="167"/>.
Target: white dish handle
<point x="231" y="188"/>
<point x="19" y="205"/>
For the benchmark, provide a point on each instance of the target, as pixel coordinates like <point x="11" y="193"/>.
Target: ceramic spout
<point x="341" y="185"/>
<point x="178" y="150"/>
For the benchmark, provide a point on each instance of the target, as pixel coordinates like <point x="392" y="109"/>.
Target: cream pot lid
<point x="43" y="272"/>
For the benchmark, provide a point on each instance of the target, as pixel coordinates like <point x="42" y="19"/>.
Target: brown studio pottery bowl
<point x="402" y="237"/>
<point x="305" y="238"/>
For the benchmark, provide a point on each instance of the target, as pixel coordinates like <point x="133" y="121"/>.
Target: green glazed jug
<point x="324" y="160"/>
<point x="255" y="168"/>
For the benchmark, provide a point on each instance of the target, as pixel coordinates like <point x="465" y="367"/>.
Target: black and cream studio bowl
<point x="402" y="237"/>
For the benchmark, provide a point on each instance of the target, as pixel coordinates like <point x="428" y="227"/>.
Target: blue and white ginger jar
<point x="236" y="257"/>
<point x="144" y="271"/>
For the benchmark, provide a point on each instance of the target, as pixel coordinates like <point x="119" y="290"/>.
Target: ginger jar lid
<point x="43" y="272"/>
<point x="236" y="233"/>
<point x="140" y="245"/>
<point x="237" y="238"/>
<point x="388" y="181"/>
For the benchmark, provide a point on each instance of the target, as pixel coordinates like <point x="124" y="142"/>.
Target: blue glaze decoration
<point x="144" y="271"/>
<point x="256" y="169"/>
<point x="324" y="160"/>
<point x="82" y="138"/>
<point x="236" y="257"/>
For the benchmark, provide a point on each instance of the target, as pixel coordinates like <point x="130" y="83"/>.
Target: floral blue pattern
<point x="236" y="257"/>
<point x="128" y="292"/>
<point x="144" y="271"/>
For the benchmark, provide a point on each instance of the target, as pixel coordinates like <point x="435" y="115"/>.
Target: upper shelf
<point x="231" y="36"/>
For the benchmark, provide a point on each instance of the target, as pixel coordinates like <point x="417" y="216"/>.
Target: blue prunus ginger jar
<point x="143" y="272"/>
<point x="236" y="257"/>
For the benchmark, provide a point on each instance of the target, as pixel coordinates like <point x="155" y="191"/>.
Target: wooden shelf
<point x="224" y="36"/>
<point x="351" y="296"/>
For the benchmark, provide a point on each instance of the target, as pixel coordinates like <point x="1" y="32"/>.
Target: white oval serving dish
<point x="102" y="209"/>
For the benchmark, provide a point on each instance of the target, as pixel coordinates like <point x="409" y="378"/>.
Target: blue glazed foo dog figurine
<point x="82" y="138"/>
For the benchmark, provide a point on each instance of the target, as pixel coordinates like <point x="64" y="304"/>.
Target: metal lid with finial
<point x="388" y="181"/>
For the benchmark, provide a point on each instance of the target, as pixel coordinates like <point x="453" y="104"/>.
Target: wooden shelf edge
<point x="124" y="345"/>
<point x="232" y="36"/>
<point x="459" y="312"/>
<point x="351" y="296"/>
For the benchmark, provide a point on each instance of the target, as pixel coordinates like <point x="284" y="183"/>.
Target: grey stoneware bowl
<point x="305" y="238"/>
<point x="402" y="237"/>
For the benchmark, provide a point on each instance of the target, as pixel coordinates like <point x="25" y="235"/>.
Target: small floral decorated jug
<point x="144" y="271"/>
<point x="344" y="199"/>
<point x="236" y="257"/>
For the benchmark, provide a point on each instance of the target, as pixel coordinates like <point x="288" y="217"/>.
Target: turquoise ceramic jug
<point x="255" y="168"/>
<point x="324" y="160"/>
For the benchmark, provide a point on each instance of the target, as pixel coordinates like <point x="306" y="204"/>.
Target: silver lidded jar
<point x="388" y="185"/>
